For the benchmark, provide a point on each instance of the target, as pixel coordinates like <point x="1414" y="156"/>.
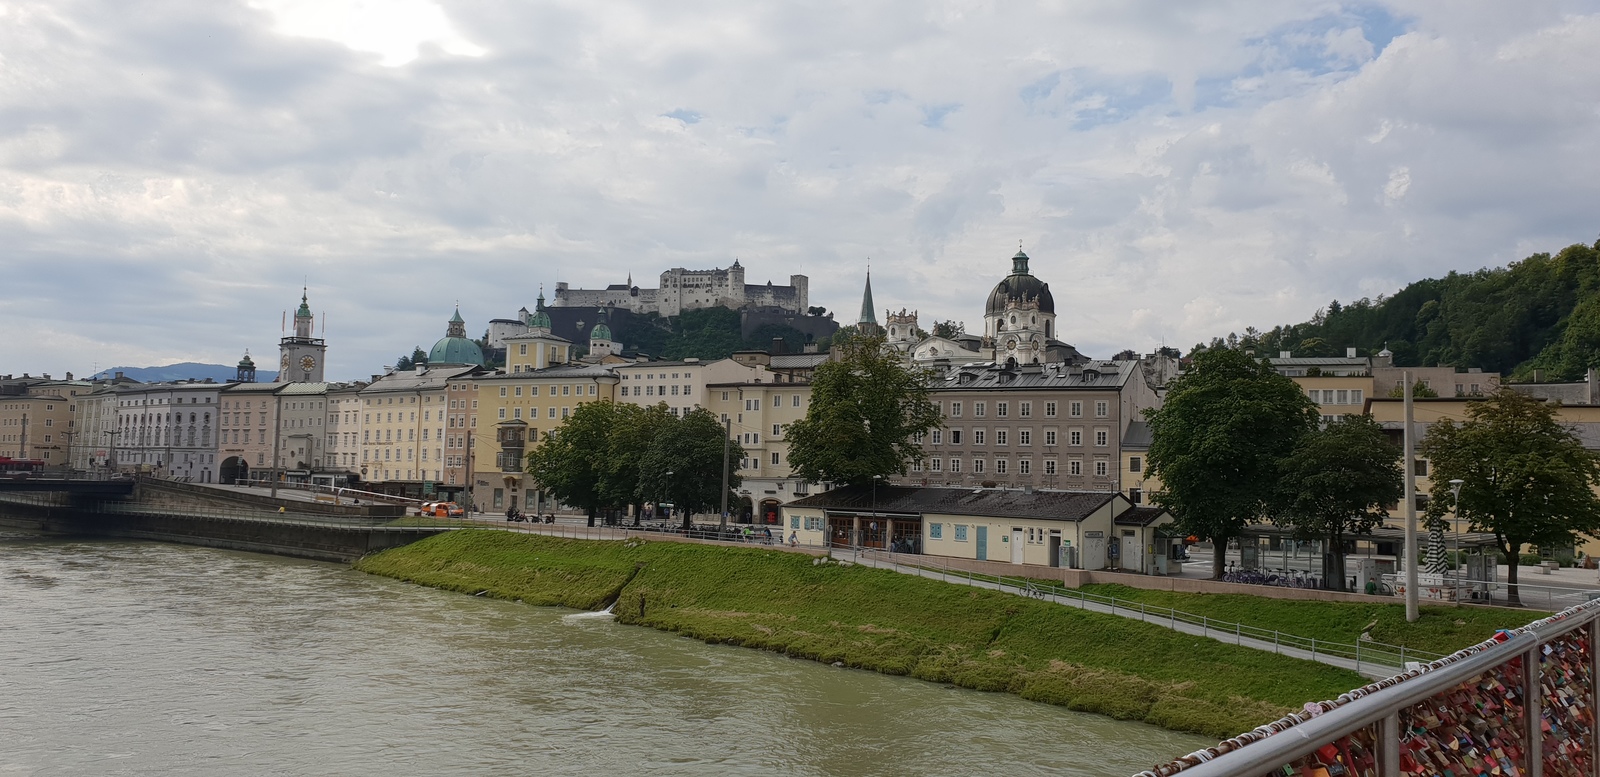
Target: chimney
<point x="421" y="368"/>
<point x="45" y="375"/>
<point x="778" y="345"/>
<point x="1350" y="353"/>
<point x="809" y="348"/>
<point x="119" y="375"/>
<point x="69" y="376"/>
<point x="1538" y="376"/>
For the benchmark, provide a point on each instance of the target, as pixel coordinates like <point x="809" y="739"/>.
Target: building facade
<point x="681" y="385"/>
<point x="683" y="289"/>
<point x="758" y="416"/>
<point x="403" y="425"/>
<point x="514" y="412"/>
<point x="169" y="429"/>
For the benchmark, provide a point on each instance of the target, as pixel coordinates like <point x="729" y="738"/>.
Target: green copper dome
<point x="454" y="347"/>
<point x="540" y="319"/>
<point x="247" y="362"/>
<point x="600" y="332"/>
<point x="305" y="309"/>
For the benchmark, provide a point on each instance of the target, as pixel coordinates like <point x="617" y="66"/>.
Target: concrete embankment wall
<point x="154" y="491"/>
<point x="300" y="539"/>
<point x="1075" y="578"/>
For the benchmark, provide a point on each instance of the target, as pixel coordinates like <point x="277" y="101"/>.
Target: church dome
<point x="539" y="320"/>
<point x="454" y="347"/>
<point x="1020" y="286"/>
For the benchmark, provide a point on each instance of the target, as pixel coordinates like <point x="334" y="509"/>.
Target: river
<point x="133" y="658"/>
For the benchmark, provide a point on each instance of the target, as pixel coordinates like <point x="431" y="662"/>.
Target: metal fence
<point x="1365" y="656"/>
<point x="1522" y="703"/>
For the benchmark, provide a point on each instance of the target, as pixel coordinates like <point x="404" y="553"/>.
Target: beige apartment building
<point x="343" y="429"/>
<point x="681" y="385"/>
<point x="302" y="424"/>
<point x="403" y="423"/>
<point x="248" y="417"/>
<point x="38" y="419"/>
<point x="1053" y="426"/>
<point x="758" y="416"/>
<point x="508" y="415"/>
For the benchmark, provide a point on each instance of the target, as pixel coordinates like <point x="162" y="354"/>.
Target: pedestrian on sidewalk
<point x="794" y="539"/>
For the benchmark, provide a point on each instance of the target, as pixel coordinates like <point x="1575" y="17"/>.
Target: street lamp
<point x="1455" y="523"/>
<point x="875" y="479"/>
<point x="111" y="459"/>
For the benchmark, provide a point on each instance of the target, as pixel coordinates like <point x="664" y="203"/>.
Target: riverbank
<point x="882" y="621"/>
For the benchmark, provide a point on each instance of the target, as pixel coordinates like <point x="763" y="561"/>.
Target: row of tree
<point x="611" y="456"/>
<point x="1237" y="443"/>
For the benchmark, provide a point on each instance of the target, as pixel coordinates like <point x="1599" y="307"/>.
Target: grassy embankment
<point x="1442" y="629"/>
<point x="883" y="621"/>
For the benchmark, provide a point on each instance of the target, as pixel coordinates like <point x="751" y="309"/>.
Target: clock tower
<point x="301" y="359"/>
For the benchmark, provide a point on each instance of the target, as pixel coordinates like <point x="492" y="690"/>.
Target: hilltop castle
<point x="691" y="290"/>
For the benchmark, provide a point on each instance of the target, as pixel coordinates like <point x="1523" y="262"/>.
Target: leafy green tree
<point x="403" y="364"/>
<point x="570" y="462"/>
<point x="1526" y="478"/>
<point x="949" y="329"/>
<point x="1336" y="482"/>
<point x="1217" y="442"/>
<point x="683" y="464"/>
<point x="867" y="411"/>
<point x="1419" y="390"/>
<point x="634" y="429"/>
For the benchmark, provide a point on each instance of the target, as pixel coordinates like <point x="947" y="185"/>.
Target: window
<point x="938" y="437"/>
<point x="961" y="532"/>
<point x="979" y="409"/>
<point x="1024" y="436"/>
<point x="776" y="430"/>
<point x="796" y="400"/>
<point x="1075" y="467"/>
<point x="502" y="391"/>
<point x="1421" y="467"/>
<point x="1002" y="409"/>
<point x="955" y="409"/>
<point x="1075" y="409"/>
<point x="1050" y="437"/>
<point x="1102" y="409"/>
<point x="1024" y="466"/>
<point x="916" y="466"/>
<point x="955" y="436"/>
<point x="977" y="466"/>
<point x="936" y="465"/>
<point x="977" y="436"/>
<point x="955" y="465"/>
<point x="1100" y="438"/>
<point x="1050" y="466"/>
<point x="999" y="466"/>
<point x="1343" y="397"/>
<point x="1050" y="410"/>
<point x="1000" y="437"/>
<point x="1100" y="468"/>
<point x="774" y="458"/>
<point x="1075" y="437"/>
<point x="1135" y="464"/>
<point x="935" y="531"/>
<point x="1025" y="409"/>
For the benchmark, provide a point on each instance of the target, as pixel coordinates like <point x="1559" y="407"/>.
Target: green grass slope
<point x="882" y="621"/>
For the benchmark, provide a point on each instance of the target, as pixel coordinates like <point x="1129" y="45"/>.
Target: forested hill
<point x="1542" y="312"/>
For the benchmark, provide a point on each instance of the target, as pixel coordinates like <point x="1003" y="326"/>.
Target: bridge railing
<point x="1522" y="703"/>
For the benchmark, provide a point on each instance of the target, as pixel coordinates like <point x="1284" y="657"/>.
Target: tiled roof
<point x="1137" y="437"/>
<point x="1004" y="502"/>
<point x="1141" y="516"/>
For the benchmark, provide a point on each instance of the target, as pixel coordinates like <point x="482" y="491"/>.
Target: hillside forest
<point x="1541" y="313"/>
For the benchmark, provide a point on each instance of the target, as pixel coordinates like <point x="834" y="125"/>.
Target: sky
<point x="172" y="173"/>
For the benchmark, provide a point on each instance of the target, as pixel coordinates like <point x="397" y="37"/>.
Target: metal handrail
<point x="1362" y="652"/>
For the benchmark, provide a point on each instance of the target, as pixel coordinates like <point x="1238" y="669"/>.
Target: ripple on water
<point x="145" y="658"/>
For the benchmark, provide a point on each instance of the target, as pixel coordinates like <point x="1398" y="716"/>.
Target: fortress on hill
<point x="691" y="290"/>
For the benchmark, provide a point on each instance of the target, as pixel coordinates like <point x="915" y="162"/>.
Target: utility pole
<point x="727" y="444"/>
<point x="1411" y="505"/>
<point x="69" y="436"/>
<point x="277" y="426"/>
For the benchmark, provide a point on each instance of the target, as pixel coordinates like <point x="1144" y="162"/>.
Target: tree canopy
<point x="1542" y="312"/>
<point x="1526" y="478"/>
<point x="1336" y="482"/>
<point x="1217" y="441"/>
<point x="683" y="464"/>
<point x="867" y="411"/>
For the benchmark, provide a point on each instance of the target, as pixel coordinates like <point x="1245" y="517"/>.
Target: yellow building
<point x="38" y="419"/>
<point x="510" y="414"/>
<point x="403" y="429"/>
<point x="1337" y="395"/>
<point x="758" y="415"/>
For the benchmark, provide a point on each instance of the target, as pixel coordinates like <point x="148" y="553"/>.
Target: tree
<point x="1336" y="482"/>
<point x="1419" y="390"/>
<point x="1526" y="478"/>
<point x="634" y="429"/>
<point x="949" y="329"/>
<point x="570" y="463"/>
<point x="402" y="364"/>
<point x="418" y="356"/>
<point x="684" y="463"/>
<point x="1217" y="442"/>
<point x="867" y="411"/>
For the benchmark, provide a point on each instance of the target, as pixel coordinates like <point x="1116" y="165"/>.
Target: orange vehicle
<point x="442" y="510"/>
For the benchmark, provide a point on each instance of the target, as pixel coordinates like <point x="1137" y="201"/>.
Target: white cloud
<point x="169" y="173"/>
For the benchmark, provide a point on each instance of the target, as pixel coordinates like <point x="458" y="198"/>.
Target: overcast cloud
<point x="171" y="172"/>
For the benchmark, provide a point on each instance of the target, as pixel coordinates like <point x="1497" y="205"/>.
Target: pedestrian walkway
<point x="1373" y="660"/>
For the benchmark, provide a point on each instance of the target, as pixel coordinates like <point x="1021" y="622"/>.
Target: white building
<point x="167" y="429"/>
<point x="681" y="385"/>
<point x="683" y="289"/>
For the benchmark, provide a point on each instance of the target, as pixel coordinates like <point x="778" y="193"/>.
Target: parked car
<point x="442" y="510"/>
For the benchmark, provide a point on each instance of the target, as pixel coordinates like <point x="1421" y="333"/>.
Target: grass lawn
<point x="882" y="621"/>
<point x="1441" y="629"/>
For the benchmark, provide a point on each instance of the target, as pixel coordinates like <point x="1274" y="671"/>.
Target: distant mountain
<point x="184" y="371"/>
<point x="1541" y="313"/>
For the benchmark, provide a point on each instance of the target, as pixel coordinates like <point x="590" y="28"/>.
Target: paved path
<point x="1367" y="668"/>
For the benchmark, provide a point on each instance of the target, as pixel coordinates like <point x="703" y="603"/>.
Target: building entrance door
<point x="983" y="543"/>
<point x="1055" y="548"/>
<point x="1094" y="550"/>
<point x="1016" y="546"/>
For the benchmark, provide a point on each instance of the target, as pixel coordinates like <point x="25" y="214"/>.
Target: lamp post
<point x="69" y="436"/>
<point x="875" y="479"/>
<point x="1455" y="523"/>
<point x="111" y="459"/>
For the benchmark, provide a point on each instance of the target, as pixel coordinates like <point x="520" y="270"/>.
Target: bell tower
<point x="301" y="355"/>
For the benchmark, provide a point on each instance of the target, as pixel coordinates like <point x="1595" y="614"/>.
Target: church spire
<point x="869" y="315"/>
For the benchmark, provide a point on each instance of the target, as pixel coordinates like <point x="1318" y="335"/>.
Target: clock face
<point x="284" y="364"/>
<point x="308" y="363"/>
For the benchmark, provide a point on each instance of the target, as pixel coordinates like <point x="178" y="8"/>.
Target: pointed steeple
<point x="868" y="310"/>
<point x="457" y="326"/>
<point x="302" y="317"/>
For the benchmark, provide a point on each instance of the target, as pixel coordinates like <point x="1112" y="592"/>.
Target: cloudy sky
<point x="172" y="172"/>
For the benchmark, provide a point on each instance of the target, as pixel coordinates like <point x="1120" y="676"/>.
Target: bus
<point x="20" y="468"/>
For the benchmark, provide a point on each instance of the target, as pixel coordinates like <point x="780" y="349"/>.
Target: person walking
<point x="794" y="539"/>
<point x="766" y="535"/>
